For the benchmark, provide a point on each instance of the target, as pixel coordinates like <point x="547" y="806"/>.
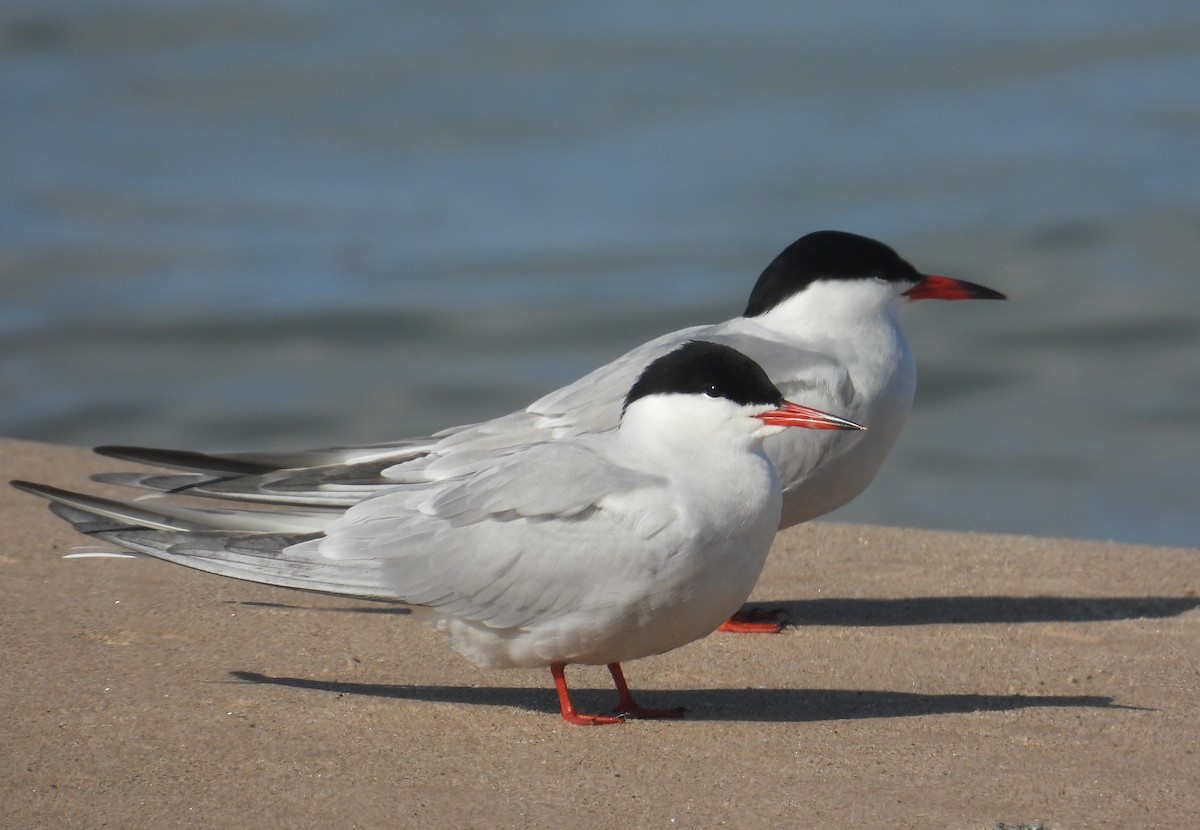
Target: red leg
<point x="568" y="709"/>
<point x="756" y="621"/>
<point x="628" y="707"/>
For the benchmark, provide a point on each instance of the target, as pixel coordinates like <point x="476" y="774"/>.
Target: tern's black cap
<point x="826" y="255"/>
<point x="700" y="367"/>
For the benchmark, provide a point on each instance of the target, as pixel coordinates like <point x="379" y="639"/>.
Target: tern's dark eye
<point x="713" y="391"/>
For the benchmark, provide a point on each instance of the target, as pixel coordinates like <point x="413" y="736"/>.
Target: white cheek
<point x="765" y="431"/>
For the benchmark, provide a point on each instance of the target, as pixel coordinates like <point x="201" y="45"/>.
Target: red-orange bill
<point x="794" y="415"/>
<point x="933" y="287"/>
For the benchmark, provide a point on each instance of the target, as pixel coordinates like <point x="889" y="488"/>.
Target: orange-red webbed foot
<point x="636" y="712"/>
<point x="627" y="707"/>
<point x="754" y="621"/>
<point x="568" y="708"/>
<point x="591" y="720"/>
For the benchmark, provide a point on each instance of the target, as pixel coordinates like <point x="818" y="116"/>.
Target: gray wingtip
<point x="43" y="490"/>
<point x="182" y="460"/>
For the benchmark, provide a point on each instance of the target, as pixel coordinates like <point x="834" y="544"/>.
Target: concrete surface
<point x="932" y="680"/>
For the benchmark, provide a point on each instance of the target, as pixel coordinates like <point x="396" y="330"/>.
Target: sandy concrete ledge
<point x="932" y="680"/>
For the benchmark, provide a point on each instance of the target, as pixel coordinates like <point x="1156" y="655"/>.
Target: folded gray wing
<point x="341" y="477"/>
<point x="272" y="548"/>
<point x="529" y="538"/>
<point x="593" y="403"/>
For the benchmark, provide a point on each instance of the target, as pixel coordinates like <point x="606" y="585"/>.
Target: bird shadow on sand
<point x="967" y="610"/>
<point x="797" y="705"/>
<point x="768" y="705"/>
<point x="951" y="610"/>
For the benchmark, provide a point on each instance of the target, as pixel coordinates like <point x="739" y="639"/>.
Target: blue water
<point x="286" y="224"/>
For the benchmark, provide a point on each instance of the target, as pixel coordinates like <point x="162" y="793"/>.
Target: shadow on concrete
<point x="908" y="611"/>
<point x="976" y="610"/>
<point x="777" y="705"/>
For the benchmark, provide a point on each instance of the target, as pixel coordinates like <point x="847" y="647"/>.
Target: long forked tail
<point x="313" y="479"/>
<point x="255" y="463"/>
<point x="273" y="548"/>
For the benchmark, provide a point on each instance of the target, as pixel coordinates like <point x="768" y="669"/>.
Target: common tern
<point x="822" y="320"/>
<point x="595" y="549"/>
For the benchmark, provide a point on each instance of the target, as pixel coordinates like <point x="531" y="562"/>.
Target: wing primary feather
<point x="183" y="460"/>
<point x="286" y="560"/>
<point x="165" y="516"/>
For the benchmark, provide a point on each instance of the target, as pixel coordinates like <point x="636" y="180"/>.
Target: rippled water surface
<point x="290" y="224"/>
